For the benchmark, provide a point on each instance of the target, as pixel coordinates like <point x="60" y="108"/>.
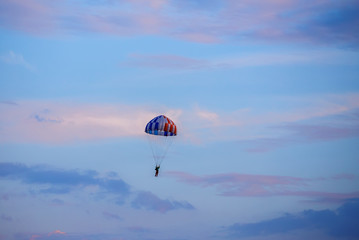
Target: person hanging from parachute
<point x="160" y="131"/>
<point x="157" y="169"/>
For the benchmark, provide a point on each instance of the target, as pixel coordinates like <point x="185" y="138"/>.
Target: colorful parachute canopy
<point x="161" y="125"/>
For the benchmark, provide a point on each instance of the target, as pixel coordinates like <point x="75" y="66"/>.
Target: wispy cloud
<point x="247" y="185"/>
<point x="318" y="22"/>
<point x="341" y="223"/>
<point x="16" y="59"/>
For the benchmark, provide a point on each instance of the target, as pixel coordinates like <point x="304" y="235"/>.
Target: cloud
<point x="16" y="59"/>
<point x="247" y="185"/>
<point x="335" y="23"/>
<point x="259" y="130"/>
<point x="35" y="236"/>
<point x="56" y="232"/>
<point x="45" y="116"/>
<point x="320" y="22"/>
<point x="298" y="120"/>
<point x="211" y="117"/>
<point x="340" y="224"/>
<point x="60" y="122"/>
<point x="149" y="201"/>
<point x="332" y="127"/>
<point x="33" y="16"/>
<point x="60" y="182"/>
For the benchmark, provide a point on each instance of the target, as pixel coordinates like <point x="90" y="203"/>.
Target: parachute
<point x="160" y="131"/>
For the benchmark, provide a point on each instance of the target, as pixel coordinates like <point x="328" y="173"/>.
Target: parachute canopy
<point x="161" y="125"/>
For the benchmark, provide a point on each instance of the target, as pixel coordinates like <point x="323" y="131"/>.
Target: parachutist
<point x="161" y="131"/>
<point x="157" y="168"/>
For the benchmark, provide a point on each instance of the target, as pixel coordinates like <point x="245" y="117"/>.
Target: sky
<point x="265" y="96"/>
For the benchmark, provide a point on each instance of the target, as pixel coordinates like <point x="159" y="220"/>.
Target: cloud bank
<point x="62" y="182"/>
<point x="339" y="224"/>
<point x="318" y="22"/>
<point x="58" y="181"/>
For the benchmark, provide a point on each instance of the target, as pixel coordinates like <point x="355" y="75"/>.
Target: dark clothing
<point x="157" y="168"/>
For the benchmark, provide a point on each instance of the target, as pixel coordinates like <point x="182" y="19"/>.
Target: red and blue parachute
<point x="161" y="125"/>
<point x="160" y="131"/>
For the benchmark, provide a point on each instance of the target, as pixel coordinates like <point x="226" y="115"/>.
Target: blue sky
<point x="265" y="95"/>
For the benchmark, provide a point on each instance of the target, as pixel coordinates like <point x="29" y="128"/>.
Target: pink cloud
<point x="323" y="118"/>
<point x="34" y="237"/>
<point x="246" y="185"/>
<point x="60" y="122"/>
<point x="272" y="20"/>
<point x="45" y="236"/>
<point x="56" y="232"/>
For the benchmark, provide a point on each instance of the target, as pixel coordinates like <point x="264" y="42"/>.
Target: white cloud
<point x="16" y="59"/>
